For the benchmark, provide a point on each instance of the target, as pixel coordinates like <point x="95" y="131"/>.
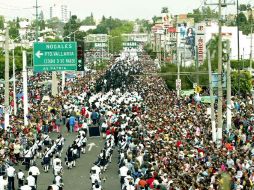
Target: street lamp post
<point x="69" y="35"/>
<point x="14" y="83"/>
<point x="238" y="45"/>
<point x="112" y="44"/>
<point x="14" y="78"/>
<point x="7" y="90"/>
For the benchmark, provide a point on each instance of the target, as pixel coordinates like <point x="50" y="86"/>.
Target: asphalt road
<point x="77" y="178"/>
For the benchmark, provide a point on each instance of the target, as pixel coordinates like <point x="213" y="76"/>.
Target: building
<point x="60" y="10"/>
<point x="184" y="41"/>
<point x="230" y="33"/>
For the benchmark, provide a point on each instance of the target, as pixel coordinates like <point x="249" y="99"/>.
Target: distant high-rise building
<point x="59" y="10"/>
<point x="64" y="13"/>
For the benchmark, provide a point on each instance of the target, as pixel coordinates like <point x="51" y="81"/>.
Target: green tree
<point x="171" y="77"/>
<point x="88" y="21"/>
<point x="245" y="23"/>
<point x="145" y="25"/>
<point x="55" y="24"/>
<point x="18" y="60"/>
<point x="42" y="24"/>
<point x="245" y="77"/>
<point x="203" y="14"/>
<point x="14" y="28"/>
<point x="72" y="26"/>
<point x="1" y="22"/>
<point x="164" y="10"/>
<point x="242" y="7"/>
<point x="245" y="82"/>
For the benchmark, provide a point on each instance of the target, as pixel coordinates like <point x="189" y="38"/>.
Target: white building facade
<point x="60" y="10"/>
<point x="230" y="33"/>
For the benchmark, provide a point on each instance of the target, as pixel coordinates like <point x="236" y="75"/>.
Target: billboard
<point x="200" y="42"/>
<point x="186" y="39"/>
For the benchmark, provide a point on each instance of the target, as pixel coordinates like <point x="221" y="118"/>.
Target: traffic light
<point x="80" y="58"/>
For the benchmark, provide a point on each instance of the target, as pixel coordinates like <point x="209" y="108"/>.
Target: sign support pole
<point x="25" y="97"/>
<point x="63" y="80"/>
<point x="54" y="84"/>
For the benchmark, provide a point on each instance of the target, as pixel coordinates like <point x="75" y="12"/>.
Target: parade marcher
<point x="3" y="182"/>
<point x="26" y="186"/>
<point x="46" y="159"/>
<point x="60" y="143"/>
<point x="21" y="178"/>
<point x="34" y="170"/>
<point x="31" y="181"/>
<point x="59" y="180"/>
<point x="10" y="171"/>
<point x="69" y="157"/>
<point x="58" y="168"/>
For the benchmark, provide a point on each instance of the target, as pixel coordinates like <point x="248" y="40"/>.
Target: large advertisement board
<point x="186" y="40"/>
<point x="200" y="42"/>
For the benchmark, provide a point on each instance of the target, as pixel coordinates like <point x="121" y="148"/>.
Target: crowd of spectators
<point x="171" y="147"/>
<point x="163" y="142"/>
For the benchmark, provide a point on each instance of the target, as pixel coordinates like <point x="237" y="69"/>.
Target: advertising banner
<point x="200" y="42"/>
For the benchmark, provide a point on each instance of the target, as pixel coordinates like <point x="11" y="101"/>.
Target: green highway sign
<point x="55" y="56"/>
<point x="132" y="44"/>
<point x="100" y="45"/>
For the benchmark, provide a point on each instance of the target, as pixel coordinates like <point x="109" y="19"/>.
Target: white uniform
<point x="97" y="169"/>
<point x="34" y="170"/>
<point x="25" y="187"/>
<point x="31" y="181"/>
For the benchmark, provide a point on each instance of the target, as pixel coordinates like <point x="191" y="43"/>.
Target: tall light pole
<point x="37" y="26"/>
<point x="238" y="45"/>
<point x="251" y="39"/>
<point x="14" y="82"/>
<point x="211" y="96"/>
<point x="7" y="90"/>
<point x="69" y="35"/>
<point x="229" y="114"/>
<point x="14" y="78"/>
<point x="220" y="92"/>
<point x="25" y="95"/>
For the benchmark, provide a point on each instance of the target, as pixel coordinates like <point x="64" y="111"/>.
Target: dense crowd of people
<point x="171" y="146"/>
<point x="163" y="142"/>
<point x="32" y="145"/>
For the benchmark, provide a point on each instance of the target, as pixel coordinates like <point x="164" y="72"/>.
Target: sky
<point x="123" y="9"/>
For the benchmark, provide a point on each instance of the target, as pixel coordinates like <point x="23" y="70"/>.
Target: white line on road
<point x="90" y="146"/>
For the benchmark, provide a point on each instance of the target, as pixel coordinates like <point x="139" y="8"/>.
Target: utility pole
<point x="25" y="96"/>
<point x="178" y="82"/>
<point x="220" y="90"/>
<point x="54" y="83"/>
<point x="165" y="40"/>
<point x="159" y="53"/>
<point x="7" y="89"/>
<point x="229" y="114"/>
<point x="251" y="38"/>
<point x="211" y="96"/>
<point x="36" y="19"/>
<point x="14" y="82"/>
<point x="238" y="45"/>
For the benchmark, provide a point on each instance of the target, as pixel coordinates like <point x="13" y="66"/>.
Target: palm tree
<point x="164" y="10"/>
